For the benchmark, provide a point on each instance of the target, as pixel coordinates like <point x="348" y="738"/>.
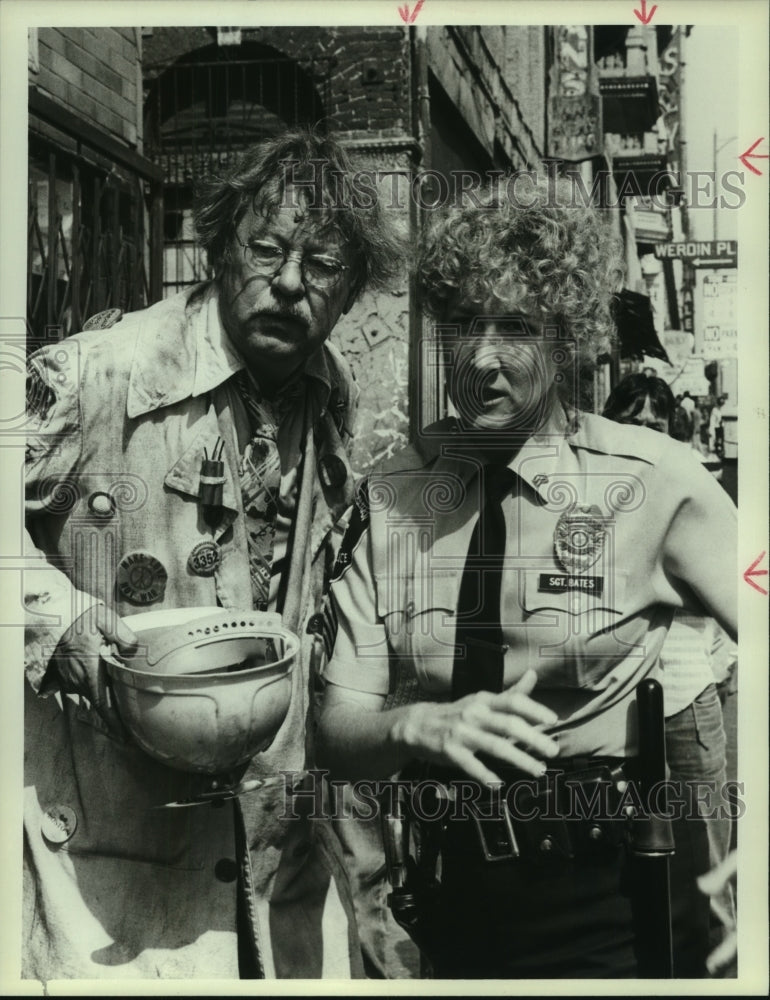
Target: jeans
<point x="695" y="749"/>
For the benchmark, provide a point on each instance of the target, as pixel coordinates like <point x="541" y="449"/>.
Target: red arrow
<point x="744" y="157"/>
<point x="753" y="571"/>
<point x="406" y="16"/>
<point x="644" y="17"/>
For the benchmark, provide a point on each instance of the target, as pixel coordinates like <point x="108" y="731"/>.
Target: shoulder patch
<point x="40" y="396"/>
<point x="329" y="626"/>
<point x="359" y="523"/>
<point x="103" y="320"/>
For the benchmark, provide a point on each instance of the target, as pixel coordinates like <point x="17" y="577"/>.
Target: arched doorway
<point x="206" y="107"/>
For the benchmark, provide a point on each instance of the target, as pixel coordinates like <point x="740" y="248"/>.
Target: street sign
<point x="700" y="253"/>
<point x="717" y="315"/>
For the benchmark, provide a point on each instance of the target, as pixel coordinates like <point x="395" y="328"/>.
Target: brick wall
<point x="93" y="72"/>
<point x="368" y="67"/>
<point x="524" y="67"/>
<point x="495" y="78"/>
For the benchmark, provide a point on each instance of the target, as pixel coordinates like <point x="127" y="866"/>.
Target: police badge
<point x="579" y="538"/>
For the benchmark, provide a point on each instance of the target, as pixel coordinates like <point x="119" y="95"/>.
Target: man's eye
<point x="323" y="265"/>
<point x="264" y="251"/>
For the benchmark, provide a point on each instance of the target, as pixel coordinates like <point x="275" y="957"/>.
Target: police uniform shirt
<point x="658" y="531"/>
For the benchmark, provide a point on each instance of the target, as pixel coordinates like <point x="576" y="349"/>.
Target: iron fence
<point x="93" y="234"/>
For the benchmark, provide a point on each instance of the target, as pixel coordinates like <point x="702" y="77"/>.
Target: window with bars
<point x="202" y="111"/>
<point x="92" y="232"/>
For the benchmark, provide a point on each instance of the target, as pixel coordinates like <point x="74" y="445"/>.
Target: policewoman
<point x="192" y="455"/>
<point x="519" y="565"/>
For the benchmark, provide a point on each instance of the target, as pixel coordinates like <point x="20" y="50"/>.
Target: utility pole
<point x="718" y="149"/>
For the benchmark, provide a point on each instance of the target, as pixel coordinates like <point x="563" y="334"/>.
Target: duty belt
<point x="575" y="810"/>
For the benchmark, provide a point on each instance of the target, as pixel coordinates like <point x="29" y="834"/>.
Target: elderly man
<point x="125" y="426"/>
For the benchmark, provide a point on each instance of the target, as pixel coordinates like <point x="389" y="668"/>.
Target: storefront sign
<point x="716" y="318"/>
<point x="679" y="345"/>
<point x="575" y="125"/>
<point x="669" y="91"/>
<point x="690" y="378"/>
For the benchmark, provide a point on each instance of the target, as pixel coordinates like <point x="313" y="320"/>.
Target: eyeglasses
<point x="267" y="259"/>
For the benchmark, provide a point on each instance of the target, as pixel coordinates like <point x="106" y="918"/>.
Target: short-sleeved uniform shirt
<point x="660" y="534"/>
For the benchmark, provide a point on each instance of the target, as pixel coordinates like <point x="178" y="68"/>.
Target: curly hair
<point x="321" y="173"/>
<point x="543" y="255"/>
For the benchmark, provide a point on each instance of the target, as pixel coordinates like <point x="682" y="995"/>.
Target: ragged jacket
<point x="122" y="888"/>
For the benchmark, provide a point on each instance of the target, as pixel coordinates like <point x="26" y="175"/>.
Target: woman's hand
<point x="498" y="725"/>
<point x="724" y="956"/>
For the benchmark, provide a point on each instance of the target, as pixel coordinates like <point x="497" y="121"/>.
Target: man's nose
<point x="287" y="280"/>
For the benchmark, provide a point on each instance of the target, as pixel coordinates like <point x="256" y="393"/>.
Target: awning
<point x="636" y="329"/>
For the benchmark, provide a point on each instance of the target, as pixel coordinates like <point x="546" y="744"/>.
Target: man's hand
<point x="498" y="725"/>
<point x="79" y="665"/>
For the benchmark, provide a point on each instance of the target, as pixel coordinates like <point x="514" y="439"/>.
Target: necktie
<point x="479" y="660"/>
<point x="260" y="476"/>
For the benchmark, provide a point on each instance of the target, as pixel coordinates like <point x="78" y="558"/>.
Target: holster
<point x="414" y="896"/>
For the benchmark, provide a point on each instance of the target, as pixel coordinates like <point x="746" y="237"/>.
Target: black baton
<point x="652" y="841"/>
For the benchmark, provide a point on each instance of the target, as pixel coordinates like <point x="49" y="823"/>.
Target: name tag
<point x="557" y="583"/>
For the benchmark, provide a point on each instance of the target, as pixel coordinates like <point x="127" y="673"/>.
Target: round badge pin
<point x="141" y="578"/>
<point x="101" y="504"/>
<point x="204" y="559"/>
<point x="58" y="824"/>
<point x="579" y="538"/>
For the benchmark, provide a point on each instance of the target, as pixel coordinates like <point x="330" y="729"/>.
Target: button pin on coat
<point x="101" y="504"/>
<point x="204" y="559"/>
<point x="58" y="824"/>
<point x="141" y="578"/>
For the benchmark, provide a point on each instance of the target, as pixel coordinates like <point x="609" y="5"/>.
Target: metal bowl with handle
<point x="207" y="688"/>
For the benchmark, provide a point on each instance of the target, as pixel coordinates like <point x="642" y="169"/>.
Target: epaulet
<point x="425" y="449"/>
<point x="610" y="438"/>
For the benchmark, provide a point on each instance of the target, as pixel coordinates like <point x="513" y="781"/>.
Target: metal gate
<point x="202" y="111"/>
<point x="93" y="222"/>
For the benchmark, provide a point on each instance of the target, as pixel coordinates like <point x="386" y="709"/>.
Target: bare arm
<point x="701" y="545"/>
<point x="357" y="739"/>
